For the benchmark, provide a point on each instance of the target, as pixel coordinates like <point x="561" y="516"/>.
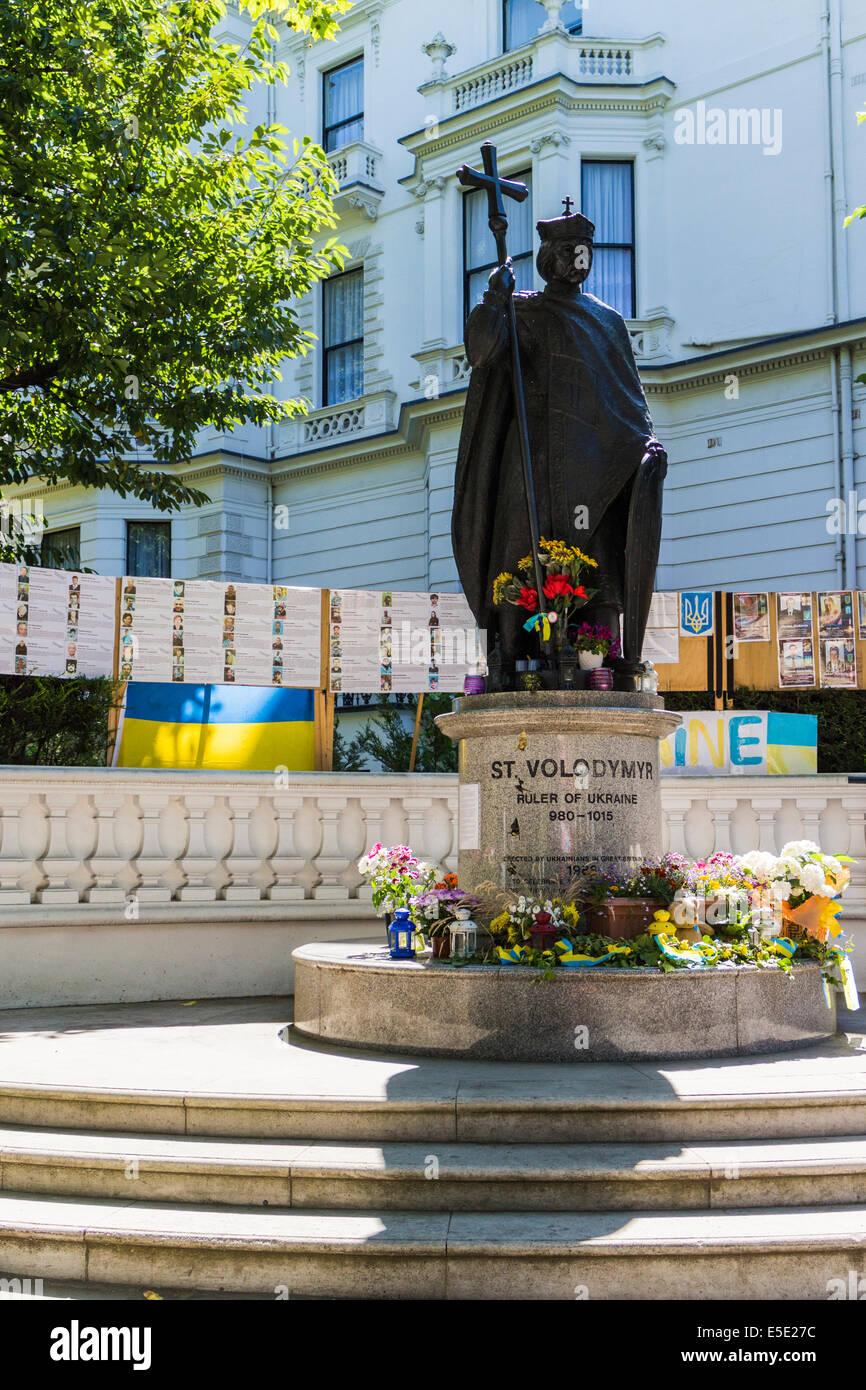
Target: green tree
<point x="387" y="740"/>
<point x="150" y="250"/>
<point x="49" y="721"/>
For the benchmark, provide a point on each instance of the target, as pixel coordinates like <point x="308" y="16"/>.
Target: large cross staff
<point x="497" y="189"/>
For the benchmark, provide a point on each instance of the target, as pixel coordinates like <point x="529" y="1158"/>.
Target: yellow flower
<point x="500" y="584"/>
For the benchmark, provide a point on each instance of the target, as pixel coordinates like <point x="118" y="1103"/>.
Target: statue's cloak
<point x="588" y="424"/>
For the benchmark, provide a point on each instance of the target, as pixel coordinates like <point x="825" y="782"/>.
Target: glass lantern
<point x="401" y="935"/>
<point x="464" y="934"/>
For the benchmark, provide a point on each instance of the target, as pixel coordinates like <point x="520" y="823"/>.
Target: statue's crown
<point x="573" y="228"/>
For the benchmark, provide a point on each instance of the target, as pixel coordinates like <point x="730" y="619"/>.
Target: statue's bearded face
<point x="567" y="261"/>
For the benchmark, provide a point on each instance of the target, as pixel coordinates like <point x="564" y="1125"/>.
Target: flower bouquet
<point x="396" y="876"/>
<point x="806" y="884"/>
<point x="564" y="591"/>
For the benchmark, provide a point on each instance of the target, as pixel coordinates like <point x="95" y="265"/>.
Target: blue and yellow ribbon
<point x="784" y="945"/>
<point x="539" y="620"/>
<point x="514" y="955"/>
<point x="568" y="956"/>
<point x="702" y="953"/>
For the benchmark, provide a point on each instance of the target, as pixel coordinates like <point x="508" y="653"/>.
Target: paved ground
<point x="241" y="1047"/>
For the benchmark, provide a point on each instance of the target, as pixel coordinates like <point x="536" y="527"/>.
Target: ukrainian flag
<point x="792" y="743"/>
<point x="223" y="727"/>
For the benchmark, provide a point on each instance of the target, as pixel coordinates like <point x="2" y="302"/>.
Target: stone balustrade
<point x="102" y="836"/>
<point x="99" y="836"/>
<point x="601" y="61"/>
<point x="166" y="884"/>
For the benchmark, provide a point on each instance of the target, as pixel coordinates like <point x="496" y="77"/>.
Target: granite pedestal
<point x="353" y="994"/>
<point x="554" y="781"/>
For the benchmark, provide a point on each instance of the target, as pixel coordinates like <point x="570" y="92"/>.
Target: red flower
<point x="558" y="586"/>
<point x="528" y="599"/>
<point x="580" y="592"/>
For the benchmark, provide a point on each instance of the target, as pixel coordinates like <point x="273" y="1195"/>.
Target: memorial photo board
<point x="56" y="622"/>
<point x="210" y="632"/>
<point x="401" y="643"/>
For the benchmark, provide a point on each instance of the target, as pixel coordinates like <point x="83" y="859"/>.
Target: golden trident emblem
<point x="696" y="614"/>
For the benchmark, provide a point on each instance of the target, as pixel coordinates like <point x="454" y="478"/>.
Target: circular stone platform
<point x="352" y="992"/>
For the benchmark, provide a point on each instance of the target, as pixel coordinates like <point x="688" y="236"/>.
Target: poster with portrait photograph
<point x="835" y="615"/>
<point x="401" y="642"/>
<point x="9" y="638"/>
<point x="796" y="663"/>
<point x="208" y="632"/>
<point x="751" y="617"/>
<point x="63" y="622"/>
<point x="838" y="663"/>
<point x="861" y="604"/>
<point x="793" y="616"/>
<point x="273" y="635"/>
<point x="147" y="622"/>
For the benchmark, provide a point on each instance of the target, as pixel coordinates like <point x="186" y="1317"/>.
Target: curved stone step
<point x="805" y="1253"/>
<point x="616" y="1106"/>
<point x="232" y="1068"/>
<point x="433" y="1176"/>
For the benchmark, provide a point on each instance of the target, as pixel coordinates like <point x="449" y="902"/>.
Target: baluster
<point x="198" y="862"/>
<point x="16" y="850"/>
<point x="287" y="861"/>
<point x="373" y="809"/>
<point x="811" y="808"/>
<point x="676" y="808"/>
<point x="241" y="861"/>
<point x="106" y="861"/>
<point x="767" y="808"/>
<point x="59" y="863"/>
<point x="154" y="864"/>
<point x="330" y="862"/>
<point x="417" y="810"/>
<point x="721" y="809"/>
<point x="81" y="839"/>
<point x="855" y="806"/>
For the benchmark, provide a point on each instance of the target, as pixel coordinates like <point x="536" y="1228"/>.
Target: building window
<point x="479" y="248"/>
<point x="607" y="199"/>
<point x="343" y="119"/>
<point x="61" y="550"/>
<point x="522" y="20"/>
<point x="343" y="337"/>
<point x="148" y="549"/>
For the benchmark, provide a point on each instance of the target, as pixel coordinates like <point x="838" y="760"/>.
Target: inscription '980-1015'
<point x="632" y="768"/>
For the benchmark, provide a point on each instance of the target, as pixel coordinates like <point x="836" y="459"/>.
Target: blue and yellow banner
<point x="221" y="727"/>
<point x="741" y="743"/>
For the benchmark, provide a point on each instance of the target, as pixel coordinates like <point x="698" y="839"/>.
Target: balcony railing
<point x="584" y="61"/>
<point x="358" y="168"/>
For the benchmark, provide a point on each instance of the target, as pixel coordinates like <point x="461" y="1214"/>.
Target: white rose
<point x="780" y="890"/>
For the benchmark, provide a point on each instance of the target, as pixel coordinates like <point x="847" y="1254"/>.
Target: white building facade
<point x="716" y="148"/>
